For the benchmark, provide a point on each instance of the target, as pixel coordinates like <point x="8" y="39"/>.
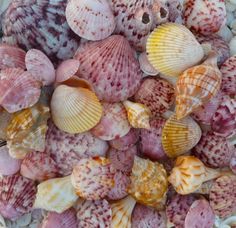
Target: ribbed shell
<point x="145" y="65"/>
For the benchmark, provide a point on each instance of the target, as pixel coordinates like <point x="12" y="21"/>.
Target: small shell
<point x="180" y="136"/>
<point x="232" y="46"/>
<point x="5" y="118"/>
<point x="55" y="195"/>
<point x="172" y="48"/>
<point x="233" y="164"/>
<point x="138" y="114"/>
<point x="146" y="66"/>
<point x="70" y="102"/>
<point x="225" y="33"/>
<point x="175" y="10"/>
<point x="93" y="178"/>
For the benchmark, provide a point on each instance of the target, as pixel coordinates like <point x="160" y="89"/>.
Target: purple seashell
<point x="175" y="10"/>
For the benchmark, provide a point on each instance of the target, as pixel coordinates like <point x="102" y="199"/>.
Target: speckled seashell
<point x="148" y="182"/>
<point x="180" y="136"/>
<point x="121" y="212"/>
<point x="175" y="10"/>
<point x="93" y="178"/>
<point x="92" y="20"/>
<point x="55" y="195"/>
<point x="146" y="66"/>
<point x="5" y="118"/>
<point x="18" y="89"/>
<point x="111" y="68"/>
<point x="205" y="17"/>
<point x="94" y="213"/>
<point x="172" y="48"/>
<point x="189" y="174"/>
<point x="17" y="195"/>
<point x="157" y="94"/>
<point x="114" y="122"/>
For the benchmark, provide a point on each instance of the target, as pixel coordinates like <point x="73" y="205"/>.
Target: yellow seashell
<point x="148" y="182"/>
<point x="75" y="110"/>
<point x="172" y="48"/>
<point x="138" y="114"/>
<point x="55" y="195"/>
<point x="121" y="212"/>
<point x="180" y="136"/>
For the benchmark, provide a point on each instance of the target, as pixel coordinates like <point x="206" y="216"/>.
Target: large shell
<point x="75" y="110"/>
<point x="56" y="195"/>
<point x="172" y="48"/>
<point x="92" y="20"/>
<point x="111" y="67"/>
<point x="148" y="182"/>
<point x="180" y="136"/>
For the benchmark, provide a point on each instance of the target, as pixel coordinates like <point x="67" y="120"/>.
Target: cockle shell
<point x="93" y="178"/>
<point x="148" y="182"/>
<point x="18" y="89"/>
<point x="111" y="67"/>
<point x="205" y="17"/>
<point x="180" y="136"/>
<point x="17" y="195"/>
<point x="55" y="195"/>
<point x="70" y="102"/>
<point x="138" y="114"/>
<point x="145" y="65"/>
<point x="172" y="48"/>
<point x="92" y="20"/>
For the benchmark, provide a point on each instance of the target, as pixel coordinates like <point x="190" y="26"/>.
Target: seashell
<point x="180" y="136"/>
<point x="232" y="164"/>
<point x="4" y="5"/>
<point x="113" y="124"/>
<point x="225" y="33"/>
<point x="120" y="75"/>
<point x="148" y="182"/>
<point x="138" y="114"/>
<point x="5" y="118"/>
<point x="38" y="166"/>
<point x="47" y="31"/>
<point x="121" y="212"/>
<point x="92" y="20"/>
<point x="175" y="10"/>
<point x="11" y="57"/>
<point x="146" y="66"/>
<point x="18" y="89"/>
<point x="94" y="213"/>
<point x="157" y="94"/>
<point x="17" y="195"/>
<point x="93" y="178"/>
<point x="67" y="149"/>
<point x="55" y="195"/>
<point x="70" y="102"/>
<point x="176" y="52"/>
<point x="40" y="67"/>
<point x="46" y="94"/>
<point x="189" y="174"/>
<point x="232" y="46"/>
<point x="205" y="17"/>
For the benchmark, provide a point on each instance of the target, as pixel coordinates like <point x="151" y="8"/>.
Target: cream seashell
<point x="146" y="66"/>
<point x="225" y="33"/>
<point x="232" y="46"/>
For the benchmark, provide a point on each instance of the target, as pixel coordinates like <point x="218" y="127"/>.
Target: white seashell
<point x="3" y="5"/>
<point x="230" y="7"/>
<point x="232" y="2"/>
<point x="232" y="46"/>
<point x="229" y="18"/>
<point x="225" y="33"/>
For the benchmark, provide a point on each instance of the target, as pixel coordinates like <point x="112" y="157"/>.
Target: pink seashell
<point x="17" y="195"/>
<point x="8" y="165"/>
<point x="205" y="16"/>
<point x="40" y="67"/>
<point x="113" y="124"/>
<point x="18" y="89"/>
<point x="157" y="94"/>
<point x="111" y="67"/>
<point x="11" y="57"/>
<point x="146" y="66"/>
<point x="93" y="214"/>
<point x="67" y="149"/>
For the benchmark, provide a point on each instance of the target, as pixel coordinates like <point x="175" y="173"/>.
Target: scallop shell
<point x="95" y="213"/>
<point x="55" y="195"/>
<point x="93" y="178"/>
<point x="148" y="182"/>
<point x="180" y="136"/>
<point x="17" y="195"/>
<point x="138" y="114"/>
<point x="5" y="118"/>
<point x="146" y="66"/>
<point x="92" y="20"/>
<point x="172" y="48"/>
<point x="120" y="75"/>
<point x="18" y="89"/>
<point x="121" y="212"/>
<point x="70" y="102"/>
<point x="114" y="122"/>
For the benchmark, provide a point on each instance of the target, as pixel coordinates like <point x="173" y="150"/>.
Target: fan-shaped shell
<point x="146" y="66"/>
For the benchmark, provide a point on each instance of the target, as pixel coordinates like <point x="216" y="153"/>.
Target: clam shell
<point x="146" y="66"/>
<point x="92" y="20"/>
<point x="70" y="102"/>
<point x="55" y="195"/>
<point x="180" y="136"/>
<point x="172" y="48"/>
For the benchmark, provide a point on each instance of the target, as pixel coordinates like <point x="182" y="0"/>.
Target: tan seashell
<point x="5" y="118"/>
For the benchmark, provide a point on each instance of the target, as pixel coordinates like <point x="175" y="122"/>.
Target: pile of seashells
<point x="118" y="113"/>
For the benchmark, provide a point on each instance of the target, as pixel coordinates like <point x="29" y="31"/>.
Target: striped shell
<point x="146" y="66"/>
